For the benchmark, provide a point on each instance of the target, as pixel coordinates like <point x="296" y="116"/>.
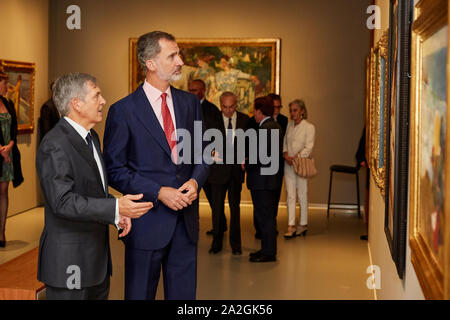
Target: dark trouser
<point x="99" y="292"/>
<point x="278" y="191"/>
<point x="179" y="265"/>
<point x="208" y="193"/>
<point x="218" y="192"/>
<point x="256" y="221"/>
<point x="207" y="190"/>
<point x="265" y="206"/>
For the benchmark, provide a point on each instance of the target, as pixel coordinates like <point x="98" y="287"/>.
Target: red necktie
<point x="169" y="129"/>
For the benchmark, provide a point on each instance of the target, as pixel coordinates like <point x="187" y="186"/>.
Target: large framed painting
<point x="250" y="68"/>
<point x="378" y="112"/>
<point x="21" y="92"/>
<point x="397" y="130"/>
<point x="430" y="150"/>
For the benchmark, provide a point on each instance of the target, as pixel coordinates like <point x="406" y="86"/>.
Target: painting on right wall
<point x="429" y="138"/>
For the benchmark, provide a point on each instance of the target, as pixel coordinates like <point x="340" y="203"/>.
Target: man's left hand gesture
<point x="125" y="225"/>
<point x="189" y="188"/>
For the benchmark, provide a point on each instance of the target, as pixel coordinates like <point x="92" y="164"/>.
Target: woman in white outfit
<point x="299" y="138"/>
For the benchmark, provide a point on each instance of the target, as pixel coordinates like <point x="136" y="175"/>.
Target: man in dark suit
<point x="361" y="161"/>
<point x="283" y="122"/>
<point x="74" y="255"/>
<point x="49" y="117"/>
<point x="277" y="116"/>
<point x="141" y="153"/>
<point x="211" y="116"/>
<point x="252" y="124"/>
<point x="227" y="175"/>
<point x="264" y="183"/>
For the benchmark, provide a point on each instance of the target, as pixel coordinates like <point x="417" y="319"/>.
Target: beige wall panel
<point x="24" y="37"/>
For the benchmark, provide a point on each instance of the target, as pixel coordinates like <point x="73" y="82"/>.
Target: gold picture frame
<point x="429" y="202"/>
<point x="21" y="92"/>
<point x="368" y="100"/>
<point x="255" y="64"/>
<point x="370" y="94"/>
<point x="378" y="112"/>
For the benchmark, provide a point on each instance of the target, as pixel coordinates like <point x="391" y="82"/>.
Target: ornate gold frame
<point x="380" y="52"/>
<point x="273" y="43"/>
<point x="434" y="278"/>
<point x="24" y="67"/>
<point x="370" y="99"/>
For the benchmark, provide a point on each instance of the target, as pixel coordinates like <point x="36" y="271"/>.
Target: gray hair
<point x="69" y="86"/>
<point x="227" y="94"/>
<point x="301" y="104"/>
<point x="148" y="46"/>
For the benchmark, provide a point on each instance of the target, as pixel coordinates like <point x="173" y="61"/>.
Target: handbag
<point x="304" y="167"/>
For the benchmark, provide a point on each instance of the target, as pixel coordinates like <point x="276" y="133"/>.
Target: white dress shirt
<point x="154" y="97"/>
<point x="83" y="133"/>
<point x="299" y="138"/>
<point x="233" y="123"/>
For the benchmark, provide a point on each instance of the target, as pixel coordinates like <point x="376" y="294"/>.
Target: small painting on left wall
<point x="21" y="92"/>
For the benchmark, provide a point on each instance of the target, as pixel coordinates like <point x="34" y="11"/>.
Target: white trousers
<point x="296" y="185"/>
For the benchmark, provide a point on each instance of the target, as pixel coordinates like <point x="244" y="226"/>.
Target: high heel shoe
<point x="301" y="231"/>
<point x="2" y="244"/>
<point x="291" y="233"/>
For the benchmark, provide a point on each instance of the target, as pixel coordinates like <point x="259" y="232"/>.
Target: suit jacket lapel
<point x="81" y="146"/>
<point x="239" y="120"/>
<point x="147" y="117"/>
<point x="99" y="152"/>
<point x="180" y="114"/>
<point x="179" y="111"/>
<point x="222" y="125"/>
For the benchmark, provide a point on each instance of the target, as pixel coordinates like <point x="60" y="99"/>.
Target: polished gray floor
<point x="329" y="263"/>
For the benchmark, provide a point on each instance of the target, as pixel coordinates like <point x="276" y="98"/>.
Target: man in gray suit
<point x="74" y="254"/>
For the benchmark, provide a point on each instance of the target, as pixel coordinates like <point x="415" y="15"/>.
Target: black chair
<point x="348" y="170"/>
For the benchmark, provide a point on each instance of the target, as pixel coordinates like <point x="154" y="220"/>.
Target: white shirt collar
<point x="263" y="120"/>
<point x="233" y="117"/>
<point x="78" y="128"/>
<point x="154" y="94"/>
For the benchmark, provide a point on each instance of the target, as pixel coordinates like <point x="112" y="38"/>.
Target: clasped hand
<point x="177" y="199"/>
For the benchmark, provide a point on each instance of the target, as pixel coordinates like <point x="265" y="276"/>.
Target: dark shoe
<point x="2" y="244"/>
<point x="364" y="237"/>
<point x="214" y="250"/>
<point x="291" y="233"/>
<point x="301" y="231"/>
<point x="237" y="252"/>
<point x="263" y="258"/>
<point x="256" y="254"/>
<point x="258" y="236"/>
<point x="211" y="232"/>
